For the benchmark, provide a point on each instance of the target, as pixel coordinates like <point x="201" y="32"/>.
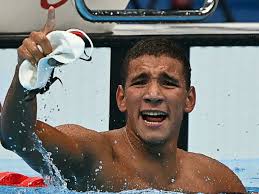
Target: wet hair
<point x="157" y="47"/>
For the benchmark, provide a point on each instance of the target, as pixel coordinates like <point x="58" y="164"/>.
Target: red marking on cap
<point x="78" y="33"/>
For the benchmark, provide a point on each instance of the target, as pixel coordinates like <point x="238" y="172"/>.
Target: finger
<point x="32" y="47"/>
<point x="50" y="23"/>
<point x="40" y="39"/>
<point x="24" y="54"/>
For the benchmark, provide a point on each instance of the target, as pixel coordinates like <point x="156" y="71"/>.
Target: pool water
<point x="51" y="190"/>
<point x="246" y="170"/>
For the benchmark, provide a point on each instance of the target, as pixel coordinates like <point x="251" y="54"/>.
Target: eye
<point x="139" y="82"/>
<point x="169" y="83"/>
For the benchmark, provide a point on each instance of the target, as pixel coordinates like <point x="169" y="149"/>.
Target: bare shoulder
<point x="77" y="131"/>
<point x="82" y="133"/>
<point x="88" y="139"/>
<point x="211" y="170"/>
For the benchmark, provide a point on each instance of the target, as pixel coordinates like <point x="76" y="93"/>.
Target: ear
<point x="120" y="98"/>
<point x="190" y="100"/>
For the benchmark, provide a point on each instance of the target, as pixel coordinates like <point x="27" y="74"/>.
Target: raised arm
<point x="74" y="149"/>
<point x="18" y="122"/>
<point x="19" y="127"/>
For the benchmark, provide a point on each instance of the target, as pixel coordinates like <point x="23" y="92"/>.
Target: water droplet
<point x="100" y="167"/>
<point x="20" y="131"/>
<point x="24" y="149"/>
<point x="10" y="138"/>
<point x="207" y="178"/>
<point x="97" y="170"/>
<point x="56" y="148"/>
<point x="159" y="154"/>
<point x="115" y="142"/>
<point x="172" y="180"/>
<point x="22" y="124"/>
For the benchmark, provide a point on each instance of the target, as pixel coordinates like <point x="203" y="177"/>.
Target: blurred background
<point x="227" y="10"/>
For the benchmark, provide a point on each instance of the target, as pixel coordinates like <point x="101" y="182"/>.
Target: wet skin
<point x="141" y="155"/>
<point x="155" y="85"/>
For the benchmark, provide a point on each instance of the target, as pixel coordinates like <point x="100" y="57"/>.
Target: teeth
<point x="153" y="113"/>
<point x="151" y="122"/>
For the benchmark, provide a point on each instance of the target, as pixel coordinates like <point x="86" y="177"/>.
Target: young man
<point x="155" y="94"/>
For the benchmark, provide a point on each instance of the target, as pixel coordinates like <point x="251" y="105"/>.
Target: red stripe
<point x="80" y="34"/>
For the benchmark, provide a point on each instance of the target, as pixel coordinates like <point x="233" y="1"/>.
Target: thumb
<point x="50" y="23"/>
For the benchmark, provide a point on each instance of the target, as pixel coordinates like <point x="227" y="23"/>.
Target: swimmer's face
<point x="155" y="98"/>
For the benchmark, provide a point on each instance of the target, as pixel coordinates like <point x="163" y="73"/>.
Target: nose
<point x="153" y="94"/>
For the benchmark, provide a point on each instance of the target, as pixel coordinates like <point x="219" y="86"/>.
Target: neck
<point x="159" y="156"/>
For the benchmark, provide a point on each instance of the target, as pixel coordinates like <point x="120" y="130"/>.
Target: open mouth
<point x="153" y="116"/>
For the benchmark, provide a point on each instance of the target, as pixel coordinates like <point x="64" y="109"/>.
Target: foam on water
<point x="59" y="190"/>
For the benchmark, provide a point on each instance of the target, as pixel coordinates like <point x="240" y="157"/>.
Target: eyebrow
<point x="169" y="77"/>
<point x="139" y="76"/>
<point x="164" y="75"/>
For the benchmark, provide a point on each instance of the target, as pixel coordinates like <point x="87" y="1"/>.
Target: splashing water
<point x="53" y="177"/>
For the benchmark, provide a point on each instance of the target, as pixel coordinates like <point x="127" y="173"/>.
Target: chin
<point x="154" y="140"/>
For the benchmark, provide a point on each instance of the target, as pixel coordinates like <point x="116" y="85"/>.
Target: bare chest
<point x="126" y="176"/>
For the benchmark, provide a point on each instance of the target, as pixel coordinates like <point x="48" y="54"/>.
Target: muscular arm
<point x="228" y="180"/>
<point x="220" y="176"/>
<point x="20" y="131"/>
<point x="19" y="126"/>
<point x="209" y="175"/>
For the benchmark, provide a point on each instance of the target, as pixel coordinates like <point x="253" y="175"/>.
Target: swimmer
<point x="155" y="93"/>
